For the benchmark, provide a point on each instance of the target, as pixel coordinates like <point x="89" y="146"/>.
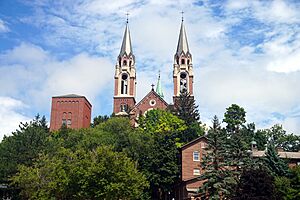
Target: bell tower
<point x="183" y="68"/>
<point x="125" y="77"/>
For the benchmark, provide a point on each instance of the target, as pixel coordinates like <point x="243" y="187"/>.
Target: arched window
<point x="124" y="84"/>
<point x="130" y="63"/>
<point x="124" y="108"/>
<point x="182" y="61"/>
<point x="183" y="82"/>
<point x="188" y="61"/>
<point x="124" y="62"/>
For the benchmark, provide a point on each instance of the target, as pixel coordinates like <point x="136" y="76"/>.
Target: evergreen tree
<point x="274" y="163"/>
<point x="219" y="179"/>
<point x="235" y="117"/>
<point x="186" y="109"/>
<point x="255" y="184"/>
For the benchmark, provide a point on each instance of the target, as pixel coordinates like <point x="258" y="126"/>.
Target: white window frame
<point x="196" y="172"/>
<point x="194" y="153"/>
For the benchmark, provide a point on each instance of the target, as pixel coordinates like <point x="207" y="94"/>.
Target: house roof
<point x="193" y="142"/>
<point x="282" y="154"/>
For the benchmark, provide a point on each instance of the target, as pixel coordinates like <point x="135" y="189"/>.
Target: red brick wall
<point x="175" y="85"/>
<point x="188" y="165"/>
<point x="130" y="101"/>
<point x="79" y="108"/>
<point x="144" y="105"/>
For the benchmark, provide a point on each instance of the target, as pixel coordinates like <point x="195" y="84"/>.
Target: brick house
<point x="72" y="110"/>
<point x="191" y="155"/>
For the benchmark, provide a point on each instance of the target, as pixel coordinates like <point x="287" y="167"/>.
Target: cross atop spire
<point x="182" y="15"/>
<point x="127" y="14"/>
<point x="182" y="46"/>
<point x="126" y="47"/>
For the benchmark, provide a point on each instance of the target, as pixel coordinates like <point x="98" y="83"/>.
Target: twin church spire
<point x="125" y="72"/>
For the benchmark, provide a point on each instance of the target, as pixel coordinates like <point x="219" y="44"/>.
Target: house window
<point x="196" y="156"/>
<point x="196" y="172"/>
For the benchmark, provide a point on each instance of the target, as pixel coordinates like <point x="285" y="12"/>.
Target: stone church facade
<point x="125" y="79"/>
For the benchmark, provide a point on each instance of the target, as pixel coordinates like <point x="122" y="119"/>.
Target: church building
<point x="125" y="79"/>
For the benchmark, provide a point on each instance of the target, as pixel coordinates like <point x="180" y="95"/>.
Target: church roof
<point x="182" y="46"/>
<point x="126" y="47"/>
<point x="151" y="92"/>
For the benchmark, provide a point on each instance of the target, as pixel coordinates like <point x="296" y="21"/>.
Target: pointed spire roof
<point x="126" y="44"/>
<point x="159" y="88"/>
<point x="183" y="45"/>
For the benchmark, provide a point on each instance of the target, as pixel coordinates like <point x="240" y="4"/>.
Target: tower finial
<point x="182" y="15"/>
<point x="127" y="14"/>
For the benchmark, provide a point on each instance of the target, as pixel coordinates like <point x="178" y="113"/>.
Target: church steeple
<point x="183" y="68"/>
<point x="125" y="76"/>
<point x="159" y="88"/>
<point x="126" y="48"/>
<point x="182" y="46"/>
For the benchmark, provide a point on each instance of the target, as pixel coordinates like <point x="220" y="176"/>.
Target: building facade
<point x="72" y="110"/>
<point x="125" y="79"/>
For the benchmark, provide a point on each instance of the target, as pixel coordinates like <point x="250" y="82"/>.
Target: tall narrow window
<point x="182" y="61"/>
<point x="124" y="84"/>
<point x="183" y="82"/>
<point x="124" y="62"/>
<point x="196" y="156"/>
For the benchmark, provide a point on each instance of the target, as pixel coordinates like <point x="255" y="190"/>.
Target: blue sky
<point x="244" y="52"/>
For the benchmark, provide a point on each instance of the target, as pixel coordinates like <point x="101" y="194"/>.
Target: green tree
<point x="219" y="180"/>
<point x="237" y="144"/>
<point x="235" y="117"/>
<point x="186" y="109"/>
<point x="159" y="158"/>
<point x="80" y="174"/>
<point x="23" y="146"/>
<point x="274" y="163"/>
<point x="255" y="184"/>
<point x="99" y="119"/>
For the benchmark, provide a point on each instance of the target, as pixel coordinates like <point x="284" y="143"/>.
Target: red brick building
<point x="125" y="79"/>
<point x="191" y="157"/>
<point x="72" y="110"/>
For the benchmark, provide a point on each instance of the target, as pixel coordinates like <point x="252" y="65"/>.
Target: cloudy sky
<point x="244" y="52"/>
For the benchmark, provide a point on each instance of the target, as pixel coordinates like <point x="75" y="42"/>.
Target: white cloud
<point x="240" y="50"/>
<point x="10" y="115"/>
<point x="3" y="27"/>
<point x="30" y="73"/>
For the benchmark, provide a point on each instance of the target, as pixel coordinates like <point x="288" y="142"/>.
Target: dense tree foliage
<point x="113" y="160"/>
<point x="23" y="146"/>
<point x="97" y="174"/>
<point x="160" y="159"/>
<point x="255" y="184"/>
<point x="219" y="180"/>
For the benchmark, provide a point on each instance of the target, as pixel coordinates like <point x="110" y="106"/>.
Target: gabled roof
<point x="282" y="154"/>
<point x="151" y="92"/>
<point x="193" y="142"/>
